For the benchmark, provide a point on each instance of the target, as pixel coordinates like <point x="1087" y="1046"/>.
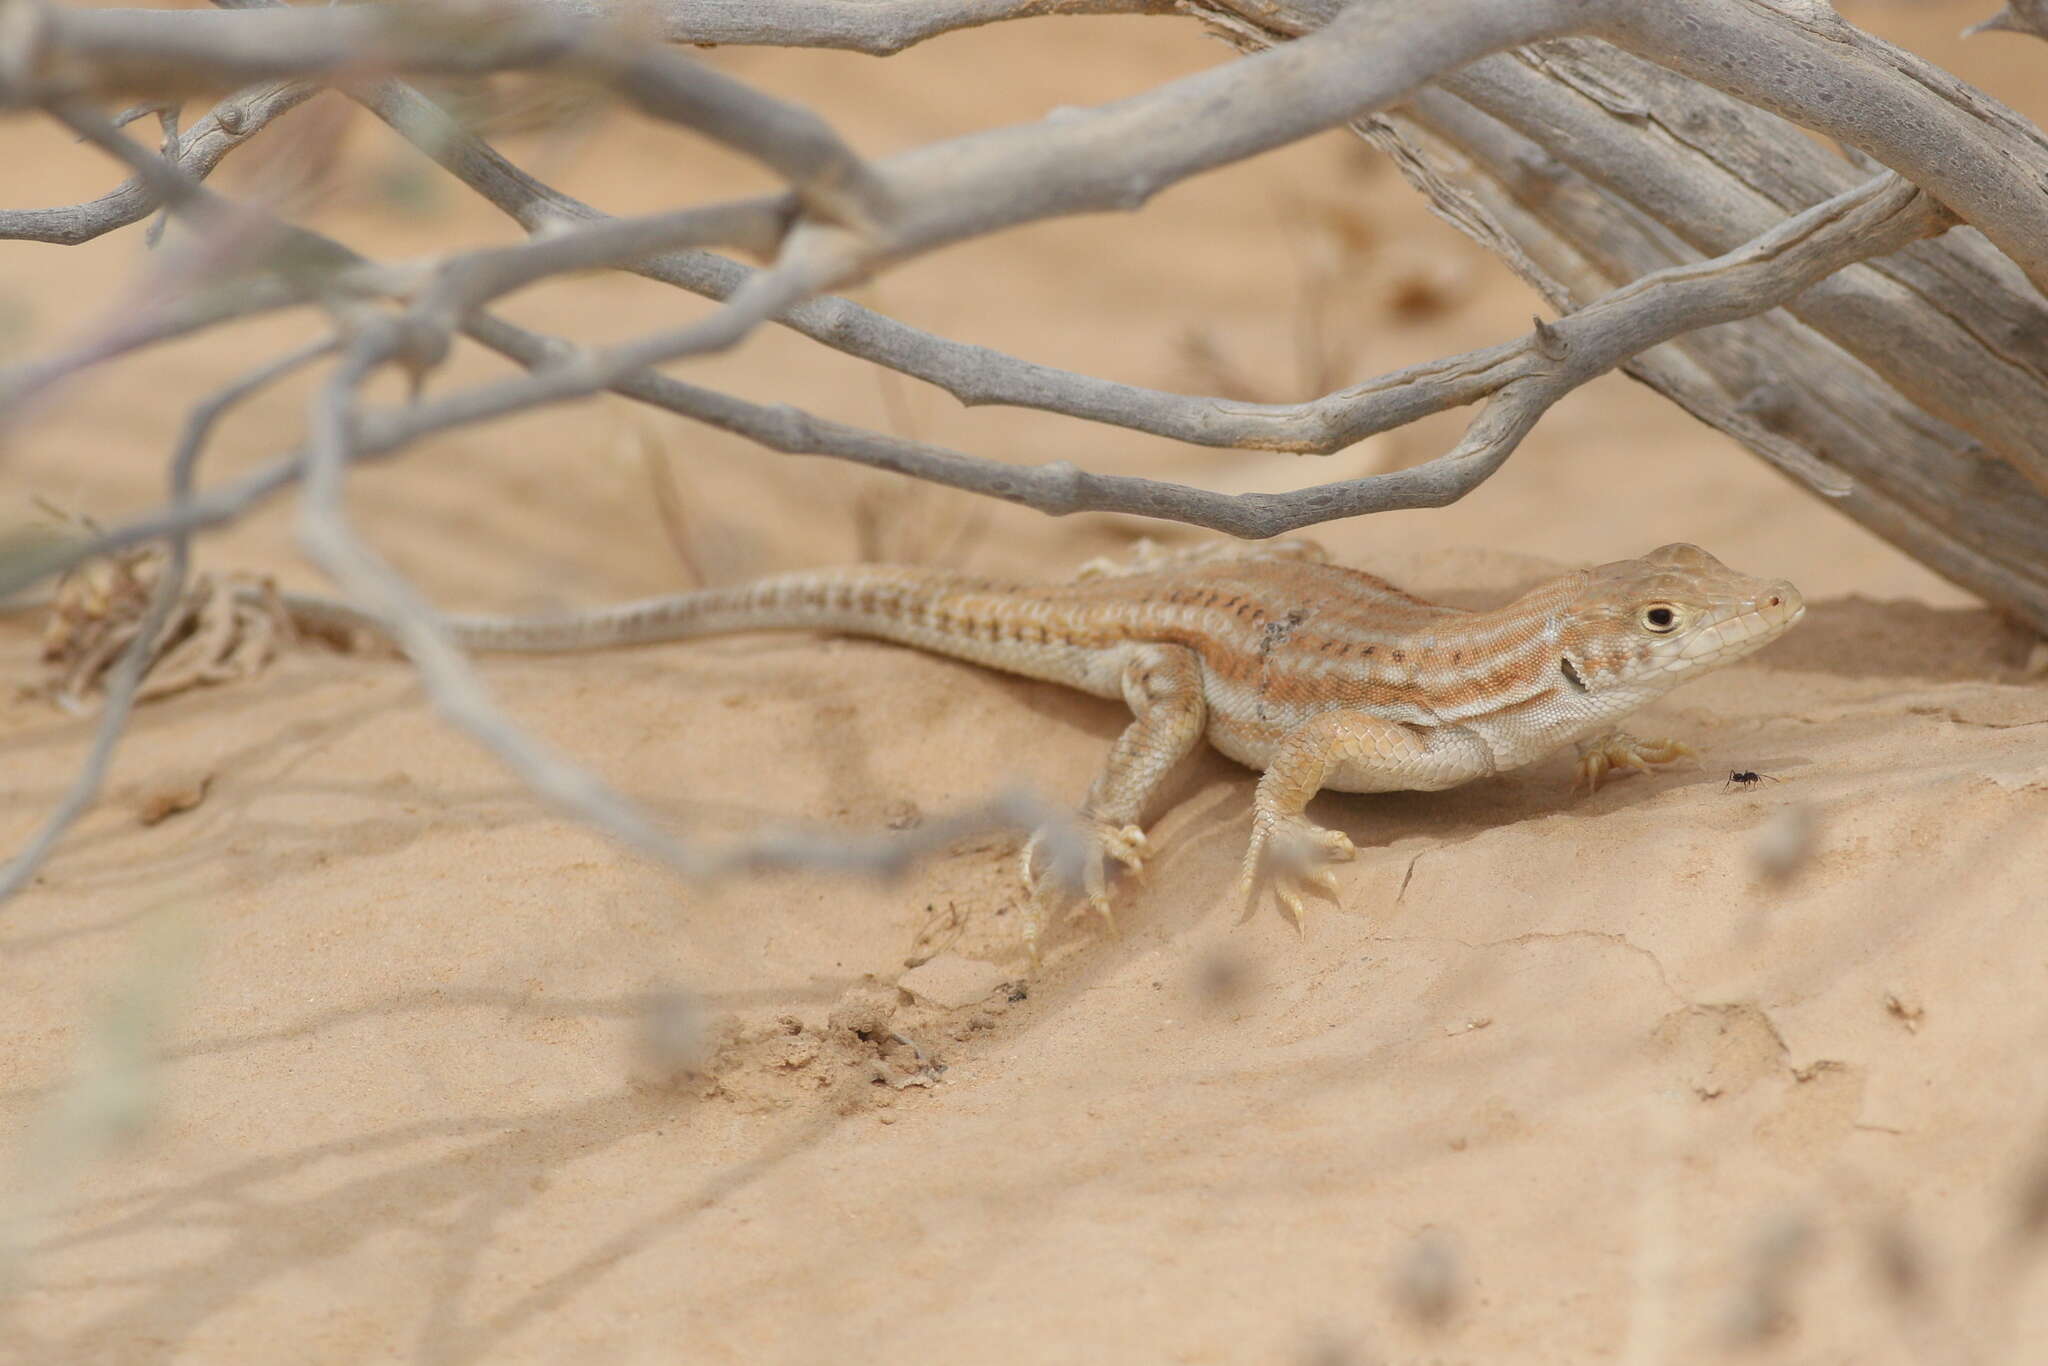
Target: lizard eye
<point x="1660" y="617"/>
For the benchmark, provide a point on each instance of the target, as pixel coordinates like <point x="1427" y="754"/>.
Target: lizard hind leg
<point x="1163" y="685"/>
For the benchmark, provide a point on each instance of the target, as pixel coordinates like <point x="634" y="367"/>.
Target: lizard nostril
<point x="1774" y="601"/>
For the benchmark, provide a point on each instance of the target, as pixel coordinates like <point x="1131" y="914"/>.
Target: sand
<point x="447" y="1078"/>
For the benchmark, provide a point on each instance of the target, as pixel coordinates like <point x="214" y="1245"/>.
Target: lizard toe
<point x="1291" y="899"/>
<point x="1126" y="844"/>
<point x="1295" y="855"/>
<point x="1621" y="753"/>
<point x="1067" y="869"/>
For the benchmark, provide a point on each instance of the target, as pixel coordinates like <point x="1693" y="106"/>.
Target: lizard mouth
<point x="1750" y="625"/>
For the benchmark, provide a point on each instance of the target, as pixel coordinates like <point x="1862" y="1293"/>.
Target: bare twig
<point x="202" y="147"/>
<point x="450" y="680"/>
<point x="2020" y="16"/>
<point x="458" y="285"/>
<point x="878" y="27"/>
<point x="1920" y="346"/>
<point x="973" y="374"/>
<point x="164" y="181"/>
<point x="153" y="318"/>
<point x="200" y="512"/>
<point x="881" y="28"/>
<point x="1973" y="154"/>
<point x="1113" y="157"/>
<point x="146" y="49"/>
<point x="1524" y="378"/>
<point x="466" y="282"/>
<point x="575" y="372"/>
<point x="476" y="278"/>
<point x="272" y="264"/>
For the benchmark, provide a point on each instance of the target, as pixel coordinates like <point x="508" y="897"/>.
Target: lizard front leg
<point x="1620" y="753"/>
<point x="1163" y="686"/>
<point x="1354" y="751"/>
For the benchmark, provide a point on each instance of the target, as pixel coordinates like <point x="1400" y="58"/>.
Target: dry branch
<point x="201" y="148"/>
<point x="1525" y="377"/>
<point x="1912" y="377"/>
<point x="1888" y="315"/>
<point x="880" y="28"/>
<point x="2021" y="16"/>
<point x="1114" y="157"/>
<point x="1809" y="65"/>
<point x="1351" y="414"/>
<point x="1522" y="378"/>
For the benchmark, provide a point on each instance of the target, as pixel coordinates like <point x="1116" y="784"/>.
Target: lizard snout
<point x="1781" y="603"/>
<point x="1744" y="623"/>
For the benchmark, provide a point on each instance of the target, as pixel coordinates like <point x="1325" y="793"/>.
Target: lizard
<point x="1316" y="675"/>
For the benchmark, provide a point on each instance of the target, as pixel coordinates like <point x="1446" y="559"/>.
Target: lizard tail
<point x="892" y="603"/>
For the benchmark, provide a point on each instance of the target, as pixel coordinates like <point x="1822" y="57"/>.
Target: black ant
<point x="1747" y="778"/>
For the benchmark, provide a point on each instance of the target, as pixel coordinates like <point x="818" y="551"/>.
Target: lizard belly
<point x="1251" y="743"/>
<point x="1447" y="756"/>
<point x="1450" y="755"/>
<point x="1520" y="736"/>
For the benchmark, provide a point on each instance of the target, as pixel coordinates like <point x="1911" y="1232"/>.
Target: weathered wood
<point x="1922" y="376"/>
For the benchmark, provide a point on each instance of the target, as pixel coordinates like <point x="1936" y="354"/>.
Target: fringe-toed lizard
<point x="1316" y="675"/>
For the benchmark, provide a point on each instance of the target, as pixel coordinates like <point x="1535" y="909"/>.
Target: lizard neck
<point x="1541" y="694"/>
<point x="1471" y="666"/>
<point x="1507" y="675"/>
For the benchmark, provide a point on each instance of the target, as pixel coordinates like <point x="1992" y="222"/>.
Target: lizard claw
<point x="1296" y="854"/>
<point x="1124" y="843"/>
<point x="1080" y="862"/>
<point x="1624" y="752"/>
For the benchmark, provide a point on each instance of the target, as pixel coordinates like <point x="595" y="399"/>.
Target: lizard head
<point x="1646" y="625"/>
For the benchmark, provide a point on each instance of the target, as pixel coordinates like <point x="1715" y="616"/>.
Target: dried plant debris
<point x="223" y="627"/>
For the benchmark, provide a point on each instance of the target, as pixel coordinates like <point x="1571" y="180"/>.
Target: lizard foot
<point x="1622" y="753"/>
<point x="1078" y="860"/>
<point x="1296" y="853"/>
